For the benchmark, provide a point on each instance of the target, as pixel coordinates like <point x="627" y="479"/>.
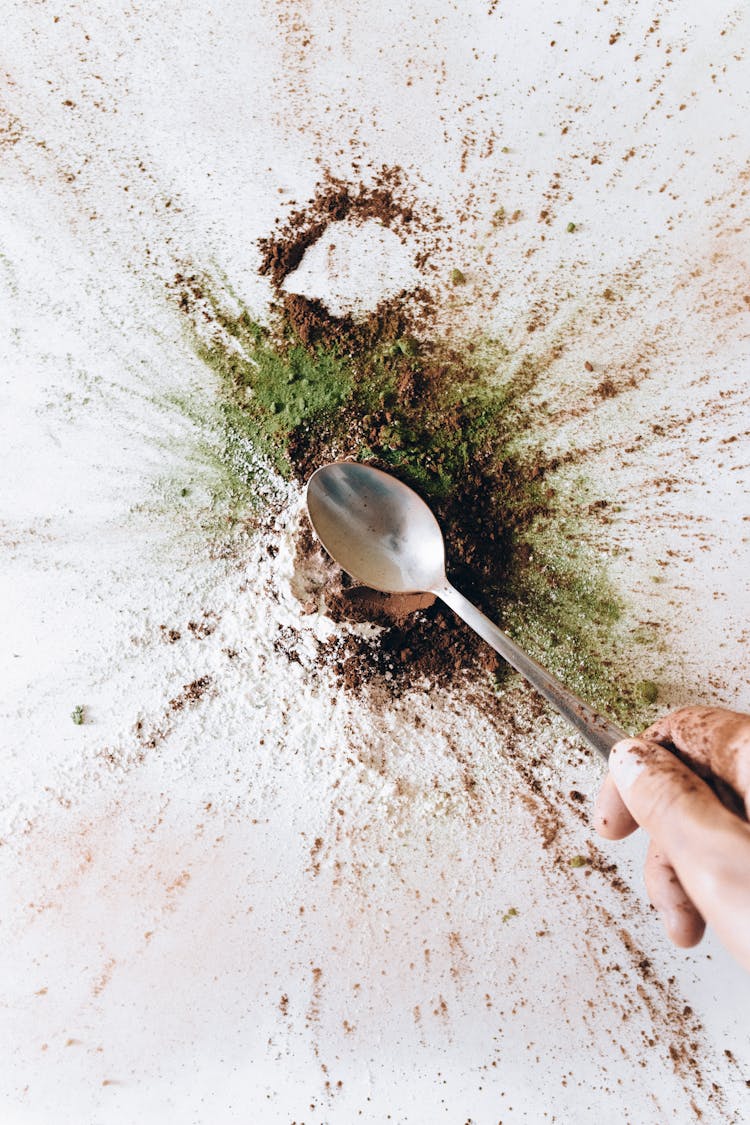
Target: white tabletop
<point x="276" y="902"/>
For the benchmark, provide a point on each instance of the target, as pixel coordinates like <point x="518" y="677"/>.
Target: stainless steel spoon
<point x="383" y="534"/>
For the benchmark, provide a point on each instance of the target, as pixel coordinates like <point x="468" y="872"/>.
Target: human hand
<point x="697" y="868"/>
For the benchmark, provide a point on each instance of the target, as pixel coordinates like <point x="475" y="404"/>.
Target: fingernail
<point x="626" y="761"/>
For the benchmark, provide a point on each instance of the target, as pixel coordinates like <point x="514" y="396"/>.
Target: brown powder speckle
<point x="385" y="200"/>
<point x="191" y="693"/>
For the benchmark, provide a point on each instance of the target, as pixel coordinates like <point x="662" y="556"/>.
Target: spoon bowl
<point x="384" y="535"/>
<point x="376" y="528"/>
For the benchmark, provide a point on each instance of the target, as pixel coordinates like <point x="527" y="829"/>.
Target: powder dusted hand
<point x="686" y="780"/>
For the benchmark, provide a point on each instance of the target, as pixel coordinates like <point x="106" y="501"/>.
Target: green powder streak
<point x="456" y="426"/>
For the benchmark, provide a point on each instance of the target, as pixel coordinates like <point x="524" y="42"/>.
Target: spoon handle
<point x="599" y="731"/>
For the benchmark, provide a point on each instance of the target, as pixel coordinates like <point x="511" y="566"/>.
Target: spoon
<point x="383" y="534"/>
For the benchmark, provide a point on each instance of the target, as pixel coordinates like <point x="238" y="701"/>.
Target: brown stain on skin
<point x="715" y="744"/>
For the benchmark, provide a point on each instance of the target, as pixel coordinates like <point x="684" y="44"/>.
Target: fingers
<point x="708" y="847"/>
<point x="683" y="923"/>
<point x="713" y="739"/>
<point x="667" y="798"/>
<point x="611" y="816"/>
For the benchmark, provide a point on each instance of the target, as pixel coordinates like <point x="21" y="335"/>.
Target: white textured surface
<point x="152" y="920"/>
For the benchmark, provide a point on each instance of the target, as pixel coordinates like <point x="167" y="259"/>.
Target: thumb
<point x="708" y="846"/>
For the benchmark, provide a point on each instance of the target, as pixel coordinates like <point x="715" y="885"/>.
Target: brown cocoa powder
<point x="385" y="199"/>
